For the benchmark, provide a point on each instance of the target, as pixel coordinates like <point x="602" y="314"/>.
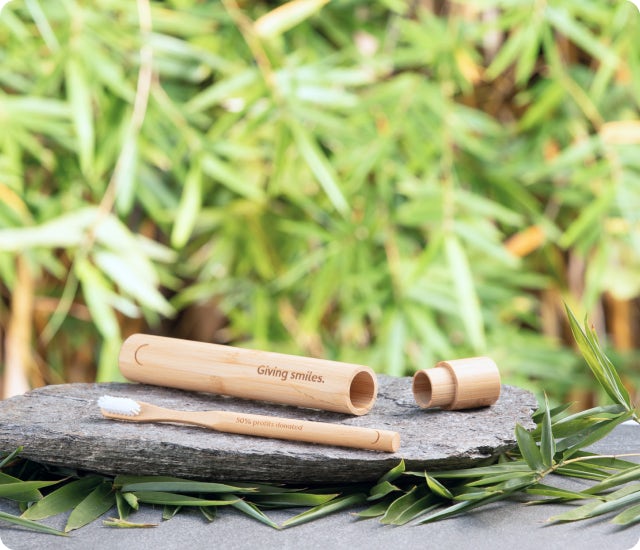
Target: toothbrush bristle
<point x="119" y="405"/>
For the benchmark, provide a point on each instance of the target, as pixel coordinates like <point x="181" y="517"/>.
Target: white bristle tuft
<point x="119" y="405"/>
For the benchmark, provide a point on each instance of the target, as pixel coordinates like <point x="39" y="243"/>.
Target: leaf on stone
<point x="99" y="501"/>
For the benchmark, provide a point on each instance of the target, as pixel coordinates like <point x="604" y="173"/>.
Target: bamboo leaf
<point x="553" y="96"/>
<point x="125" y="179"/>
<point x="131" y="500"/>
<point x="630" y="474"/>
<point x="509" y="52"/>
<point x="605" y="462"/>
<point x="14" y="489"/>
<point x="589" y="435"/>
<point x="614" y="501"/>
<point x="464" y="506"/>
<point x="95" y="292"/>
<point x="132" y="274"/>
<point x="324" y="509"/>
<point x="123" y="507"/>
<point x="601" y="367"/>
<point x="614" y="504"/>
<point x="506" y="487"/>
<point x="189" y="207"/>
<point x="209" y="513"/>
<point x="582" y="512"/>
<point x="408" y="507"/>
<point x="65" y="231"/>
<point x="400" y="504"/>
<point x="609" y="370"/>
<point x="219" y="170"/>
<point x="529" y="449"/>
<point x="468" y="304"/>
<point x="560" y="18"/>
<point x="91" y="507"/>
<point x="629" y="516"/>
<point x="540" y="489"/>
<point x="82" y="112"/>
<point x="587" y="219"/>
<point x="437" y="487"/>
<point x="286" y="16"/>
<point x="169" y="511"/>
<point x="65" y="498"/>
<point x="292" y="499"/>
<point x="34" y="526"/>
<point x="228" y="87"/>
<point x="554" y="413"/>
<point x="21" y="490"/>
<point x="581" y="471"/>
<point x="547" y="441"/>
<point x="500" y="478"/>
<point x="173" y="499"/>
<point x="175" y="485"/>
<point x="563" y="429"/>
<point x="11" y="456"/>
<point x="381" y="489"/>
<point x="123" y="524"/>
<point x="376" y="510"/>
<point x="249" y="509"/>
<point x="515" y="467"/>
<point x="593" y="415"/>
<point x="394" y="473"/>
<point x="320" y="167"/>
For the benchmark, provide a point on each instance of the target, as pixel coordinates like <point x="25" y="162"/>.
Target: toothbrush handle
<point x="303" y="430"/>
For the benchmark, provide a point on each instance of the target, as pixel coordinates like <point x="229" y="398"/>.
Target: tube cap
<point x="458" y="384"/>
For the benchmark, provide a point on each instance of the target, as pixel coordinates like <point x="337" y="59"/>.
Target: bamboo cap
<point x="458" y="384"/>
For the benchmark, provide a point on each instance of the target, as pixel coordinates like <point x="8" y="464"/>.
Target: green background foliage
<point x="382" y="182"/>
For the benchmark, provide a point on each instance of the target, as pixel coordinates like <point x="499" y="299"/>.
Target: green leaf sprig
<point x="554" y="448"/>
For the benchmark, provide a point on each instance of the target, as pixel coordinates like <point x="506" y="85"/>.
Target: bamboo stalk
<point x="619" y="321"/>
<point x="18" y="336"/>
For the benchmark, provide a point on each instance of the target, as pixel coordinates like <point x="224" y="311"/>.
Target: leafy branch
<point x="556" y="448"/>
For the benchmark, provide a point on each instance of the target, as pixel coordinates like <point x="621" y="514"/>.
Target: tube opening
<point x="362" y="392"/>
<point x="422" y="391"/>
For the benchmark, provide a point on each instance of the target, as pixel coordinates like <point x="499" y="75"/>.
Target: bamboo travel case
<point x="239" y="372"/>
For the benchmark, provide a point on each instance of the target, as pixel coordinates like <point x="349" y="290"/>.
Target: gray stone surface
<point x="62" y="425"/>
<point x="502" y="526"/>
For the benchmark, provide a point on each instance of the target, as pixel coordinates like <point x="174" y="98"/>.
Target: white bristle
<point x="119" y="405"/>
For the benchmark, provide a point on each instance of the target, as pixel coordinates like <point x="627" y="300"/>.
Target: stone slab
<point x="62" y="425"/>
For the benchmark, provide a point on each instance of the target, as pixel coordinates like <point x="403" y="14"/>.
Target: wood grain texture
<point x="249" y="374"/>
<point x="262" y="425"/>
<point x="62" y="425"/>
<point x="458" y="384"/>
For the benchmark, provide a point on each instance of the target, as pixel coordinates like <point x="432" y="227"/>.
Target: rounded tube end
<point x="433" y="387"/>
<point x="395" y="442"/>
<point x="458" y="384"/>
<point x="362" y="392"/>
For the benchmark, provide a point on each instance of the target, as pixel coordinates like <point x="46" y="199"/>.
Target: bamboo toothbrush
<point x="122" y="408"/>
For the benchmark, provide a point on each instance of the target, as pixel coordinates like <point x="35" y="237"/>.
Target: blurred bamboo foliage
<point x="384" y="182"/>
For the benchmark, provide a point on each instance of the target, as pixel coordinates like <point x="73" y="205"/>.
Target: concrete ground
<point x="510" y="525"/>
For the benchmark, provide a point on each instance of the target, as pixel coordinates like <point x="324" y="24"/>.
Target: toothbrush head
<point x="122" y="406"/>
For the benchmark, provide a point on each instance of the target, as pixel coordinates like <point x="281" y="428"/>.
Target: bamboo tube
<point x="459" y="384"/>
<point x="251" y="374"/>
